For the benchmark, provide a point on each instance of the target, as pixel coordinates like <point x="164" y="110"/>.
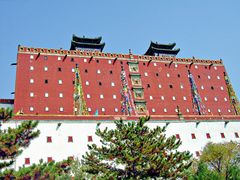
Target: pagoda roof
<point x="83" y="39"/>
<point x="75" y="45"/>
<point x="162" y="49"/>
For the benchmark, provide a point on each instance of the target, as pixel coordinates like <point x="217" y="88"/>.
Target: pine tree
<point x="134" y="151"/>
<point x="13" y="140"/>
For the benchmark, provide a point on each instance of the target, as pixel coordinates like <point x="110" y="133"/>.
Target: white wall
<point x="60" y="148"/>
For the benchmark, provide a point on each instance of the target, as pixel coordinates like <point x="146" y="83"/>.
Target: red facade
<point x="45" y="83"/>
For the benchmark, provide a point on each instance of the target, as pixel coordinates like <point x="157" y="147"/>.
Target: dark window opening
<point x="70" y="139"/>
<point x="212" y="87"/>
<point x="110" y="72"/>
<point x="99" y="83"/>
<point x="193" y="136"/>
<point x="144" y="64"/>
<point x="148" y="85"/>
<point x="59" y="69"/>
<point x="208" y="136"/>
<point x="178" y="75"/>
<point x="86" y="71"/>
<point x="46" y="81"/>
<point x="222" y="135"/>
<point x="171" y="86"/>
<point x="90" y="139"/>
<point x="165" y="65"/>
<point x="121" y="62"/>
<point x="199" y="77"/>
<point x="156" y="74"/>
<point x="236" y="135"/>
<point x="73" y="82"/>
<point x="97" y="61"/>
<point x="186" y="66"/>
<point x="197" y="153"/>
<point x="205" y="67"/>
<point x="72" y="59"/>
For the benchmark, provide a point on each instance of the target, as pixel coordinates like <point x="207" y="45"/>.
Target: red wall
<point x="23" y="101"/>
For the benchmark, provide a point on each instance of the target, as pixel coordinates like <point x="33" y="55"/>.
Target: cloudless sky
<point x="207" y="29"/>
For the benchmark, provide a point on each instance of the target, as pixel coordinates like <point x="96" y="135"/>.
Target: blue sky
<point x="208" y="29"/>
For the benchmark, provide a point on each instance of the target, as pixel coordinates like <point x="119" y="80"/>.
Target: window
<point x="31" y="57"/>
<point x="212" y="88"/>
<point x="193" y="136"/>
<point x="99" y="83"/>
<point x="187" y="110"/>
<point x="112" y="84"/>
<point x="73" y="70"/>
<point x="229" y="110"/>
<point x="61" y="95"/>
<point x="225" y="99"/>
<point x="97" y="61"/>
<point x="154" y="64"/>
<point x="184" y="98"/>
<point x="148" y="86"/>
<point x="109" y="62"/>
<point x="116" y="109"/>
<point x="27" y="161"/>
<point x="88" y="96"/>
<point x="209" y="110"/>
<point x="70" y="139"/>
<point x="222" y="88"/>
<point x="199" y="77"/>
<point x="202" y="87"/>
<point x="31" y="108"/>
<point x="98" y="71"/>
<point x="181" y="86"/>
<point x="49" y="139"/>
<point x="159" y="86"/>
<point x="31" y="81"/>
<point x="103" y="109"/>
<point x="179" y="75"/>
<point x="31" y="68"/>
<point x="153" y="110"/>
<point x="219" y="110"/>
<point x="49" y="159"/>
<point x="171" y="86"/>
<point x="59" y="58"/>
<point x="168" y="75"/>
<point x="59" y="81"/>
<point x="89" y="109"/>
<point x="222" y="135"/>
<point x="46" y="81"/>
<point x="87" y="83"/>
<point x="45" y="68"/>
<point x="197" y="153"/>
<point x="72" y="59"/>
<point x="101" y="96"/>
<point x="209" y="77"/>
<point x="177" y="136"/>
<point x="218" y="77"/>
<point x="236" y="135"/>
<point x="31" y="94"/>
<point x="208" y="136"/>
<point x="174" y="98"/>
<point x="86" y="71"/>
<point x="110" y="71"/>
<point x="90" y="139"/>
<point x="196" y="67"/>
<point x="215" y="99"/>
<point x="61" y="109"/>
<point x="114" y="96"/>
<point x="176" y="110"/>
<point x="145" y="74"/>
<point x="162" y="97"/>
<point x="46" y="109"/>
<point x="46" y="95"/>
<point x="73" y="82"/>
<point x="84" y="60"/>
<point x="215" y="67"/>
<point x="157" y="74"/>
<point x="59" y="69"/>
<point x="176" y="65"/>
<point x="205" y="98"/>
<point x="150" y="97"/>
<point x="165" y="109"/>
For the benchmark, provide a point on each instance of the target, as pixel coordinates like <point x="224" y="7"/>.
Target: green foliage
<point x="52" y="170"/>
<point x="134" y="151"/>
<point x="218" y="161"/>
<point x="6" y="113"/>
<point x="13" y="140"/>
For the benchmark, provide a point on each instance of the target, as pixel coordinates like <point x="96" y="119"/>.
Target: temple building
<point x="70" y="91"/>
